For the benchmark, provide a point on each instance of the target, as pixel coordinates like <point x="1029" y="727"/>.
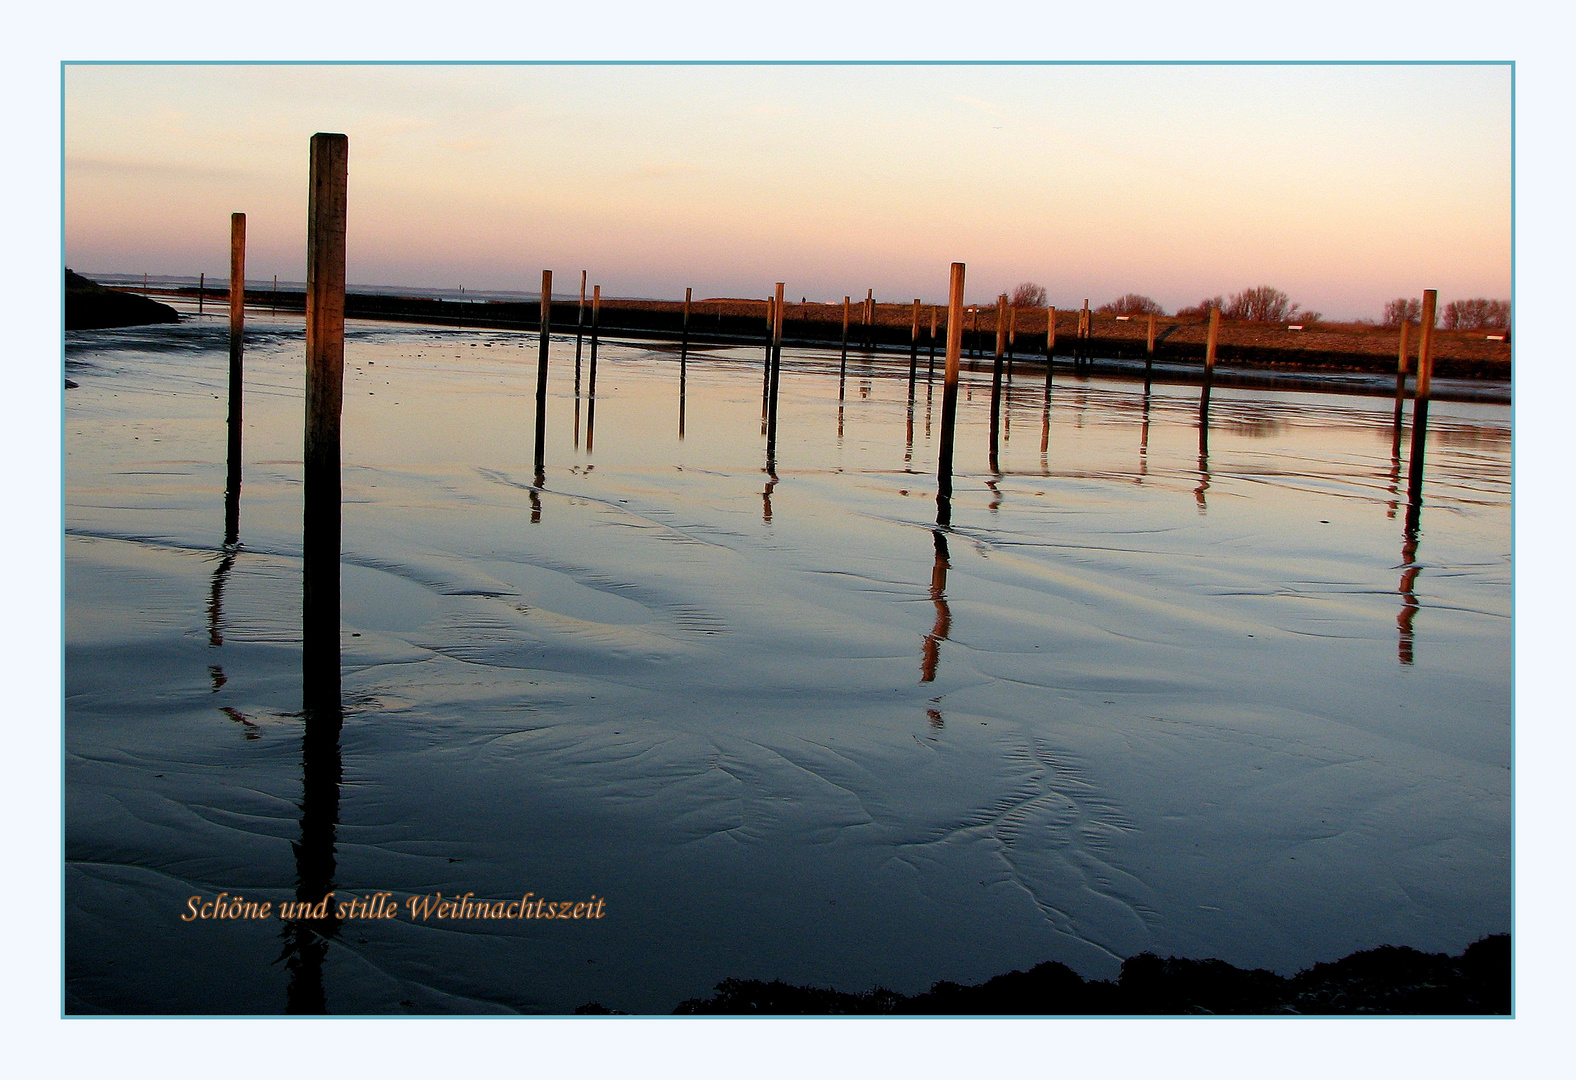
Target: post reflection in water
<point x="766" y="494"/>
<point x="307" y="936"/>
<point x="1410" y="536"/>
<point x="1203" y="455"/>
<point x="1143" y="440"/>
<point x="931" y="653"/>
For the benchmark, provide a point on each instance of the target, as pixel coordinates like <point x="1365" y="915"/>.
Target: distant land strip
<point x="1389" y="980"/>
<point x="1355" y="348"/>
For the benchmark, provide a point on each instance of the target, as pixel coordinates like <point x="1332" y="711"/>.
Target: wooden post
<point x="684" y="359"/>
<point x="776" y="371"/>
<point x="995" y="378"/>
<point x="974" y="329"/>
<point x="949" y="396"/>
<point x="1012" y="332"/>
<point x="580" y="312"/>
<point x="842" y="366"/>
<point x="1149" y="344"/>
<point x="684" y="334"/>
<point x="273" y="298"/>
<point x="1050" y="345"/>
<point x="232" y="485"/>
<point x="870" y="319"/>
<point x="541" y="368"/>
<point x="766" y="368"/>
<point x="913" y="351"/>
<point x="325" y="382"/>
<point x="596" y="319"/>
<point x="930" y="371"/>
<point x="1400" y="398"/>
<point x="1425" y="377"/>
<point x="1209" y="351"/>
<point x="202" y="279"/>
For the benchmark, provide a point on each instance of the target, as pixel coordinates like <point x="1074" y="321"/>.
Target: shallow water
<point x="1136" y="698"/>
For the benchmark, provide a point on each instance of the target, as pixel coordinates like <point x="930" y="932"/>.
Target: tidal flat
<point x="1146" y="692"/>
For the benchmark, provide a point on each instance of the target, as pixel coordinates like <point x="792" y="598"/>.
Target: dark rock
<point x="90" y="306"/>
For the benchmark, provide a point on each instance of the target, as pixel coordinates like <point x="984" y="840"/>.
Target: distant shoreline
<point x="1342" y="357"/>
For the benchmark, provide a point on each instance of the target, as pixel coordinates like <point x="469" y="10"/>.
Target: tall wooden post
<point x="974" y="329"/>
<point x="202" y="283"/>
<point x="1210" y="346"/>
<point x="1400" y="384"/>
<point x="541" y="369"/>
<point x="870" y="319"/>
<point x="766" y="368"/>
<point x="325" y="387"/>
<point x="930" y="371"/>
<point x="1050" y="346"/>
<point x="913" y="351"/>
<point x="580" y="313"/>
<point x="684" y="359"/>
<point x="776" y="371"/>
<point x="232" y="486"/>
<point x="995" y="378"/>
<point x="842" y="365"/>
<point x="596" y="319"/>
<point x="273" y="298"/>
<point x="949" y="396"/>
<point x="684" y="334"/>
<point x="1420" y="396"/>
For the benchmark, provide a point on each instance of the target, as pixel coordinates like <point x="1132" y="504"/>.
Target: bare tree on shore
<point x="1131" y="304"/>
<point x="1028" y="295"/>
<point x="1479" y="314"/>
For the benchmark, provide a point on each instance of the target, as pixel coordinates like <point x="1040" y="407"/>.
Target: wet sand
<point x="1146" y="698"/>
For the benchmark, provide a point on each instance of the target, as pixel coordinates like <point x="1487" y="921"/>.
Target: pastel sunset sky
<point x="1344" y="185"/>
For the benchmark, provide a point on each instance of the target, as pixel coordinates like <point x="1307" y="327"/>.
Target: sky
<point x="1343" y="185"/>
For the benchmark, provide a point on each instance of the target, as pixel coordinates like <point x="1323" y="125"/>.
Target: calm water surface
<point x="1138" y="697"/>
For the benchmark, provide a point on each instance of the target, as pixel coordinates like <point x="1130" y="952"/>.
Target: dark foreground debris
<point x="1383" y="981"/>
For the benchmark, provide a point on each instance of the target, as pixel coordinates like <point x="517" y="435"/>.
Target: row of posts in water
<point x="325" y="379"/>
<point x="325" y="309"/>
<point x="325" y="348"/>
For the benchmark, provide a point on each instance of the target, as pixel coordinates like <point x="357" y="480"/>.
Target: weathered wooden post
<point x="1012" y="336"/>
<point x="930" y="371"/>
<point x="580" y="313"/>
<point x="232" y="485"/>
<point x="1400" y="388"/>
<point x="949" y="396"/>
<point x="202" y="279"/>
<point x="1149" y="349"/>
<point x="1420" y="395"/>
<point x="995" y="378"/>
<point x="1209" y="352"/>
<point x="870" y="320"/>
<point x="541" y="369"/>
<point x="974" y="329"/>
<point x="684" y="335"/>
<point x="842" y="365"/>
<point x="1050" y="346"/>
<point x="596" y="319"/>
<point x="775" y="371"/>
<point x="684" y="359"/>
<point x="273" y="298"/>
<point x="913" y="351"/>
<point x="325" y="388"/>
<point x="766" y="368"/>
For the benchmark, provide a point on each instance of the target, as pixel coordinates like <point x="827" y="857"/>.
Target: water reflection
<point x="1203" y="454"/>
<point x="931" y="653"/>
<point x="766" y="493"/>
<point x="1143" y="439"/>
<point x="307" y="935"/>
<point x="1408" y="590"/>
